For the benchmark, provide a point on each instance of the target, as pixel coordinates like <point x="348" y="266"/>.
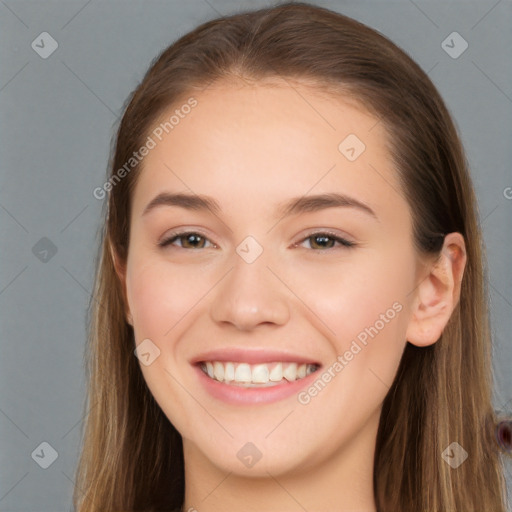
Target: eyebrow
<point x="294" y="206"/>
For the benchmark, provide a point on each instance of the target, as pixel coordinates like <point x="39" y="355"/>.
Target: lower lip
<point x="234" y="394"/>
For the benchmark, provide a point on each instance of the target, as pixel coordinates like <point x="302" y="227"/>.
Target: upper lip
<point x="251" y="356"/>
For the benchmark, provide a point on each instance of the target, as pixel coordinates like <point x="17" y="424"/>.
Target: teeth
<point x="290" y="372"/>
<point x="277" y="373"/>
<point x="243" y="373"/>
<point x="218" y="371"/>
<point x="258" y="375"/>
<point x="229" y="372"/>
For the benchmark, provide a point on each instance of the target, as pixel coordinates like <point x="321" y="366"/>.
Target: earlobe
<point x="438" y="293"/>
<point x="120" y="270"/>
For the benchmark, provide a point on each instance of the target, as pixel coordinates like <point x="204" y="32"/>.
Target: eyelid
<point x="166" y="240"/>
<point x="343" y="241"/>
<point x="327" y="231"/>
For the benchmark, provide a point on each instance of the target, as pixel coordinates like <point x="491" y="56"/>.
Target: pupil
<point x="322" y="238"/>
<point x="191" y="238"/>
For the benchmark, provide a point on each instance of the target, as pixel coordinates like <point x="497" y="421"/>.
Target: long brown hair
<point x="132" y="456"/>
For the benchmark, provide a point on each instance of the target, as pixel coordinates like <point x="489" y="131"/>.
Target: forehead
<point x="268" y="141"/>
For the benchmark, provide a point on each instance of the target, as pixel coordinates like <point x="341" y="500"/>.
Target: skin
<point x="251" y="147"/>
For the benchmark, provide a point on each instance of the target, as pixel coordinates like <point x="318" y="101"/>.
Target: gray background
<point x="57" y="119"/>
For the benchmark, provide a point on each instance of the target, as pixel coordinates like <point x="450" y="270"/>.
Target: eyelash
<point x="345" y="244"/>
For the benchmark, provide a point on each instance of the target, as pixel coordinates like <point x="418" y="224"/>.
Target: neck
<point x="341" y="483"/>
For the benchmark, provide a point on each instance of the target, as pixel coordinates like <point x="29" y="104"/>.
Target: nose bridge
<point x="250" y="294"/>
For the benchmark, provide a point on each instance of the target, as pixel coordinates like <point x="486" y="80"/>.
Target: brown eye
<point x="189" y="240"/>
<point x="327" y="241"/>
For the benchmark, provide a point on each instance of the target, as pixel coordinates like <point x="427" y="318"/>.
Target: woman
<point x="290" y="311"/>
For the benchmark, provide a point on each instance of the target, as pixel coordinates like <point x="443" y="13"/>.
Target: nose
<point x="250" y="295"/>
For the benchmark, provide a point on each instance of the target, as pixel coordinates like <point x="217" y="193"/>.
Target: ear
<point x="438" y="293"/>
<point x="121" y="274"/>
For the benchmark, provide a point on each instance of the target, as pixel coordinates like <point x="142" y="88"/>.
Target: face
<point x="314" y="297"/>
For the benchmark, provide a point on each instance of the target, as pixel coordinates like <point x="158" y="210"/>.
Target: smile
<point x="256" y="375"/>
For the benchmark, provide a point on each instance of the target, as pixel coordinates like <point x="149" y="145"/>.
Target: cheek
<point x="350" y="296"/>
<point x="364" y="312"/>
<point x="160" y="295"/>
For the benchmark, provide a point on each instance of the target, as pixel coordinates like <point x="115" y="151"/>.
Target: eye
<point x="189" y="240"/>
<point x="194" y="240"/>
<point x="326" y="240"/>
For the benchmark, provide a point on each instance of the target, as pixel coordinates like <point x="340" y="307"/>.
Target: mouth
<point x="253" y="376"/>
<point x="259" y="375"/>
